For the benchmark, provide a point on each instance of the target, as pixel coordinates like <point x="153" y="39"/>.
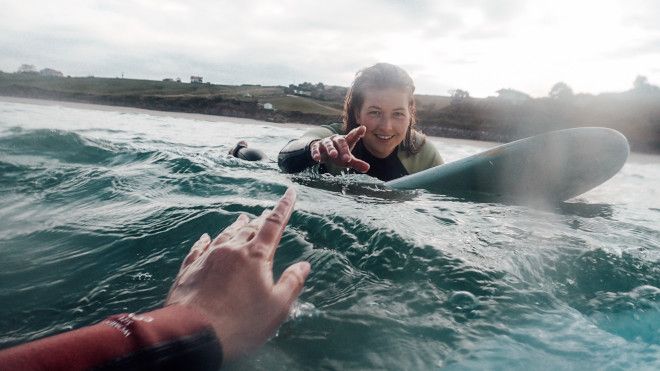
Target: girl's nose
<point x="386" y="123"/>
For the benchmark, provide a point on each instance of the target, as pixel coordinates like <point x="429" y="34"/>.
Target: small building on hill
<point x="303" y="93"/>
<point x="196" y="80"/>
<point x="51" y="72"/>
<point x="513" y="96"/>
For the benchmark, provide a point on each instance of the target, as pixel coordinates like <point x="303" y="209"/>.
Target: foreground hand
<point x="336" y="149"/>
<point x="230" y="280"/>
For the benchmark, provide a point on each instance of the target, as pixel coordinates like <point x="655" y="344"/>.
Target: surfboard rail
<point x="553" y="166"/>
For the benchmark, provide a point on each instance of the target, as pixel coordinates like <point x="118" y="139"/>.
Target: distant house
<point x="196" y="79"/>
<point x="51" y="72"/>
<point x="513" y="96"/>
<point x="268" y="106"/>
<point x="304" y="93"/>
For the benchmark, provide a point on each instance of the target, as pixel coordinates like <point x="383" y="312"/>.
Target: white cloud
<point x="480" y="46"/>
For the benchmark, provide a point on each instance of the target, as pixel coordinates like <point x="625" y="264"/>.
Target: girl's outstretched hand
<point x="336" y="149"/>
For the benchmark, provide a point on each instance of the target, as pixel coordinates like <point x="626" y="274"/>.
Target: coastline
<point x="128" y="109"/>
<point x="204" y="117"/>
<point x="493" y="119"/>
<point x="638" y="157"/>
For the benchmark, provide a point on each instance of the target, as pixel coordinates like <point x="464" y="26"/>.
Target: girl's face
<point x="386" y="114"/>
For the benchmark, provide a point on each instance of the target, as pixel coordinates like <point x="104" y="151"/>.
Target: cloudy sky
<point x="480" y="46"/>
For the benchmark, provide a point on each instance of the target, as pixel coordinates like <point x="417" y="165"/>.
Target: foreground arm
<point x="223" y="304"/>
<point x="171" y="337"/>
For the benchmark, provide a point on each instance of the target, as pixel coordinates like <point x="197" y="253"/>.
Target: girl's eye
<point x="399" y="114"/>
<point x="374" y="113"/>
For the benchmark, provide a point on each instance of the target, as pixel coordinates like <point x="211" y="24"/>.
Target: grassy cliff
<point x="636" y="112"/>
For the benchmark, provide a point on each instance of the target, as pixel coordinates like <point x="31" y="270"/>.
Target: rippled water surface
<point x="99" y="207"/>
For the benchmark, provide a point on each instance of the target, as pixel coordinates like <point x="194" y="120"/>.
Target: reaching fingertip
<point x="365" y="167"/>
<point x="303" y="269"/>
<point x="292" y="281"/>
<point x="290" y="193"/>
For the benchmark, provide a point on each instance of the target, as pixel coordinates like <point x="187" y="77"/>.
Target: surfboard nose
<point x="606" y="148"/>
<point x="615" y="146"/>
<point x="572" y="162"/>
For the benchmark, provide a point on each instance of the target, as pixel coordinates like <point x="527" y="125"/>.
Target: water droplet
<point x="463" y="300"/>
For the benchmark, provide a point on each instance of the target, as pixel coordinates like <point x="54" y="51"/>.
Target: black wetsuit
<point x="385" y="169"/>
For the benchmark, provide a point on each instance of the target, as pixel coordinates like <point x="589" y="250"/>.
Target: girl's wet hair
<point x="382" y="76"/>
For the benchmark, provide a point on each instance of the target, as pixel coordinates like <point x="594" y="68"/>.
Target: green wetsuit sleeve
<point x="296" y="156"/>
<point x="427" y="157"/>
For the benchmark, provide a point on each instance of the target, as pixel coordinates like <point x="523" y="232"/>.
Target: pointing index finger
<point x="270" y="233"/>
<point x="355" y="134"/>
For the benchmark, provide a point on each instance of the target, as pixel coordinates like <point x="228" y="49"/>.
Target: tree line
<point x="513" y="114"/>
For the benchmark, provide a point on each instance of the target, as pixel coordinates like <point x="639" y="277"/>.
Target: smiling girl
<point x="377" y="136"/>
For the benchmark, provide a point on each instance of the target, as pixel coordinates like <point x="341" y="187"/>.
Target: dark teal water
<point x="98" y="208"/>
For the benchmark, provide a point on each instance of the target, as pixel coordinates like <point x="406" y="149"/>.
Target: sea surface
<point x="99" y="207"/>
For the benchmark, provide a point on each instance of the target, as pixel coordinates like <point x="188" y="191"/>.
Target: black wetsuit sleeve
<point x="198" y="351"/>
<point x="172" y="338"/>
<point x="296" y="156"/>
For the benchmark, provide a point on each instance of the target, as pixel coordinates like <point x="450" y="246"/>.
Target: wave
<point x="96" y="222"/>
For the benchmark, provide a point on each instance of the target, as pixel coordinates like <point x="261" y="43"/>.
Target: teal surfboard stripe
<point x="552" y="166"/>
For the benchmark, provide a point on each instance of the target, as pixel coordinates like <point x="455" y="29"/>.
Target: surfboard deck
<point x="553" y="166"/>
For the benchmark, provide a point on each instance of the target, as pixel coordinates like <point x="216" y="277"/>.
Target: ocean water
<point x="99" y="207"/>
